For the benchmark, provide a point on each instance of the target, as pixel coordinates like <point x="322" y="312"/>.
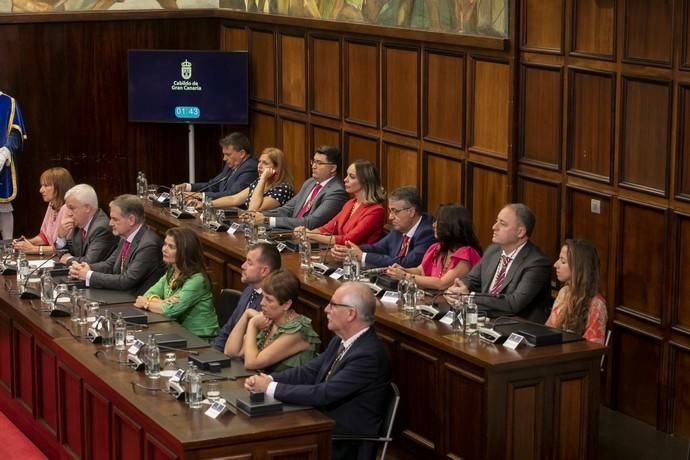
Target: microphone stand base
<point x="29" y="293"/>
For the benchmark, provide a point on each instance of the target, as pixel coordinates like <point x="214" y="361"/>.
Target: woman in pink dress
<point x="454" y="254"/>
<point x="579" y="308"/>
<point x="54" y="184"/>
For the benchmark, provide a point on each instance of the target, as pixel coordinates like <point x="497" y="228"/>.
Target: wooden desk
<point x="74" y="404"/>
<point x="460" y="399"/>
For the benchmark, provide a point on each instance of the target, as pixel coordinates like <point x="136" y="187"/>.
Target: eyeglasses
<point x="342" y="305"/>
<point x="395" y="211"/>
<point x="320" y="163"/>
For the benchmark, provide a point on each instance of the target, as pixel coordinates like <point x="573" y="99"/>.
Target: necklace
<point x="172" y="282"/>
<point x="272" y="330"/>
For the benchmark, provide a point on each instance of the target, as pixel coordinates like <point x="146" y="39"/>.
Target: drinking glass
<point x="213" y="391"/>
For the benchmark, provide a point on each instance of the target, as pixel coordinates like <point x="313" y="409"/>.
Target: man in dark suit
<point x="85" y="233"/>
<point x="321" y="197"/>
<point x="406" y="243"/>
<point x="513" y="271"/>
<point x="137" y="262"/>
<point x="349" y="381"/>
<point x="240" y="169"/>
<point x="262" y="259"/>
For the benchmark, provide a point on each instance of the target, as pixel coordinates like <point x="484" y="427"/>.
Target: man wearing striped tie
<point x="513" y="273"/>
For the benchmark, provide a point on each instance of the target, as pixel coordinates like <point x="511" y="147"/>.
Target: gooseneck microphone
<point x="28" y="293"/>
<point x="215" y="182"/>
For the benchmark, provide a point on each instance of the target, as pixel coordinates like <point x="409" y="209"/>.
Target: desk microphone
<point x="215" y="182"/>
<point x="184" y="350"/>
<point x="28" y="293"/>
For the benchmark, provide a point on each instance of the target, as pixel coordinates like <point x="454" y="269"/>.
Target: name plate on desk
<point x="233" y="228"/>
<point x="390" y="297"/>
<point x="513" y="341"/>
<point x="136" y="347"/>
<point x="216" y="410"/>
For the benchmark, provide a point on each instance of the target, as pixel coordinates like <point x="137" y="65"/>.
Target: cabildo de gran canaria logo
<point x="186" y="73"/>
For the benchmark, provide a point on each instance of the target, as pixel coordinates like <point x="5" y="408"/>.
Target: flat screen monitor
<point x="172" y="86"/>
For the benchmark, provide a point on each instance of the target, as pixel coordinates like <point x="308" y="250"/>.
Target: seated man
<point x="513" y="271"/>
<point x="137" y="262"/>
<point x="321" y="197"/>
<point x="349" y="381"/>
<point x="262" y="259"/>
<point x="240" y="169"/>
<point x="406" y="243"/>
<point x="85" y="233"/>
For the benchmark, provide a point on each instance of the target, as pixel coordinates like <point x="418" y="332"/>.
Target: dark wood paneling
<point x="128" y="437"/>
<point x="70" y="410"/>
<point x="464" y="391"/>
<point x="642" y="232"/>
<point x="572" y="404"/>
<point x="401" y="90"/>
<point x="583" y="223"/>
<point x="263" y="131"/>
<point x="544" y="199"/>
<point x="680" y="382"/>
<point x="325" y="81"/>
<point x="293" y="72"/>
<point x="155" y="450"/>
<point x="681" y="254"/>
<point x="683" y="142"/>
<point x="594" y="28"/>
<point x="97" y="428"/>
<point x="542" y="25"/>
<point x="23" y="366"/>
<point x="362" y="83"/>
<point x="262" y="66"/>
<point x="541" y="114"/>
<point x="46" y="398"/>
<point x="591" y="123"/>
<point x="636" y="385"/>
<point x="443" y="181"/>
<point x="6" y="383"/>
<point x="234" y="38"/>
<point x="489" y="107"/>
<point x="648" y="34"/>
<point x="294" y="140"/>
<point x="360" y="148"/>
<point x="487" y="195"/>
<point x="524" y="419"/>
<point x="401" y="166"/>
<point x="444" y="97"/>
<point x="685" y="52"/>
<point x="645" y="134"/>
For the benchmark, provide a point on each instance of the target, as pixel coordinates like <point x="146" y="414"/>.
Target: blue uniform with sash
<point x="12" y="134"/>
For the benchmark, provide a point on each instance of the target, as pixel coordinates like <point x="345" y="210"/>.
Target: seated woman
<point x="277" y="337"/>
<point x="578" y="307"/>
<point x="54" y="184"/>
<point x="271" y="190"/>
<point x="184" y="292"/>
<point x="454" y="254"/>
<point x="362" y="218"/>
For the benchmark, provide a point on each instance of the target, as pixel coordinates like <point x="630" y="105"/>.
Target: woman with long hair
<point x="184" y="292"/>
<point x="362" y="218"/>
<point x="277" y="337"/>
<point x="454" y="254"/>
<point x="271" y="190"/>
<point x="54" y="184"/>
<point x="579" y="308"/>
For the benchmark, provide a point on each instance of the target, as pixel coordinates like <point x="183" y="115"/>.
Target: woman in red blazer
<point x="362" y="218"/>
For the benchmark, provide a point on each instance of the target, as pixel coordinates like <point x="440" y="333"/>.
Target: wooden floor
<point x="620" y="438"/>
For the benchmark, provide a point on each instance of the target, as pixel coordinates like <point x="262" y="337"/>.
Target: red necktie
<point x="403" y="246"/>
<point x="123" y="255"/>
<point x="83" y="235"/>
<point x="501" y="276"/>
<point x="307" y="204"/>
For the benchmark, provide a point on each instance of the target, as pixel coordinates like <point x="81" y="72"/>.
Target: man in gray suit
<point x="85" y="233"/>
<point x="321" y="197"/>
<point x="513" y="271"/>
<point x="137" y="263"/>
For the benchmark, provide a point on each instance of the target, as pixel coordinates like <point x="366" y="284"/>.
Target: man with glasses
<point x="406" y="243"/>
<point x="349" y="381"/>
<point x="321" y="197"/>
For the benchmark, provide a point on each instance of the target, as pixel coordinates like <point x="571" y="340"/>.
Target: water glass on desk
<point x="213" y="391"/>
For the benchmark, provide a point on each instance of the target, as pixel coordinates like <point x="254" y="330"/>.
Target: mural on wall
<point x="480" y="17"/>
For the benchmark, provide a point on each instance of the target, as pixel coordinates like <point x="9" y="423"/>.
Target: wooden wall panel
<point x="648" y="34"/>
<point x="362" y="83"/>
<point x="70" y="410"/>
<point x="263" y="131"/>
<point x="685" y="50"/>
<point x="464" y="391"/>
<point x="681" y="304"/>
<point x="294" y="144"/>
<point x="636" y="384"/>
<point x="544" y="199"/>
<point x="642" y="236"/>
<point x="524" y="419"/>
<point x="325" y="78"/>
<point x="583" y="223"/>
<point x="360" y="148"/>
<point x="680" y="382"/>
<point x="443" y="181"/>
<point x="293" y="72"/>
<point x="541" y="114"/>
<point x="234" y="38"/>
<point x="23" y="366"/>
<point x="683" y="142"/>
<point x="542" y="25"/>
<point x="97" y="427"/>
<point x="487" y="195"/>
<point x="401" y="90"/>
<point x="489" y="107"/>
<point x="46" y="397"/>
<point x="594" y="28"/>
<point x="646" y="135"/>
<point x="262" y="66"/>
<point x="6" y="383"/>
<point x="444" y="98"/>
<point x="591" y="123"/>
<point x="401" y="166"/>
<point x="571" y="410"/>
<point x="128" y="437"/>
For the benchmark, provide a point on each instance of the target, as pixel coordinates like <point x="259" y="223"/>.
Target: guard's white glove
<point x="5" y="157"/>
